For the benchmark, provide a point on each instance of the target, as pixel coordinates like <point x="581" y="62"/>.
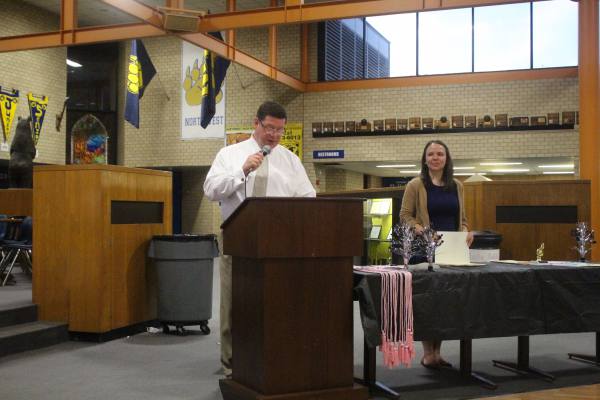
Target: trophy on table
<point x="584" y="236"/>
<point x="405" y="242"/>
<point x="430" y="240"/>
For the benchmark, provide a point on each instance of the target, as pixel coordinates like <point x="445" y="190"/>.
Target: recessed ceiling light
<point x="396" y="166"/>
<point x="410" y="171"/>
<point x="500" y="163"/>
<point x="461" y="168"/>
<point x="558" y="172"/>
<point x="74" y="64"/>
<point x="469" y="173"/>
<point x="510" y="170"/>
<point x="556" y="166"/>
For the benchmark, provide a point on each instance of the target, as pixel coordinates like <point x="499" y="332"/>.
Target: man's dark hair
<point x="271" y="109"/>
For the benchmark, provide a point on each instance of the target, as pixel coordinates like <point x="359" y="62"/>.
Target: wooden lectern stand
<point x="292" y="298"/>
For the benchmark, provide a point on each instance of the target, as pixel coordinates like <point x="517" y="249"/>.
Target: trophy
<point x="430" y="240"/>
<point x="405" y="242"/>
<point x="584" y="236"/>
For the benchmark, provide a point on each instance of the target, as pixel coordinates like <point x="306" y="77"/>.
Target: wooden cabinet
<point x="91" y="228"/>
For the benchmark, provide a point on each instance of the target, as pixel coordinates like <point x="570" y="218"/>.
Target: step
<point x="31" y="336"/>
<point x="13" y="315"/>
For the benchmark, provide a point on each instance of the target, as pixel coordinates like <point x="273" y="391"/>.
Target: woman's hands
<point x="469" y="238"/>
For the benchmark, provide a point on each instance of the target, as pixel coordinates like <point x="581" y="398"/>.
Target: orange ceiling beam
<point x="306" y="13"/>
<point x="79" y="36"/>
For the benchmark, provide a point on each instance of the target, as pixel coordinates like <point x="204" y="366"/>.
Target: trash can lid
<point x="185" y="237"/>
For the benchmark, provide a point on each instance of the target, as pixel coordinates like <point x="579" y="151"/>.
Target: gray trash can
<point x="184" y="274"/>
<point x="485" y="246"/>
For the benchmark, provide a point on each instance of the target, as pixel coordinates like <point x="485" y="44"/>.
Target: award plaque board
<point x="538" y="121"/>
<point x="501" y="120"/>
<point x="402" y="124"/>
<point x="458" y="121"/>
<point x="350" y="126"/>
<point x="378" y="125"/>
<point x="485" y="122"/>
<point x="441" y="123"/>
<point x="470" y="121"/>
<point x="338" y="126"/>
<point x="553" y="119"/>
<point x="414" y="123"/>
<point x="317" y="127"/>
<point x="427" y="123"/>
<point x="519" y="121"/>
<point x="390" y="124"/>
<point x="568" y="117"/>
<point x="327" y="127"/>
<point x="364" y="126"/>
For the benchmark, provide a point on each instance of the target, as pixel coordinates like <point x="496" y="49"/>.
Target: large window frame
<point x="473" y="39"/>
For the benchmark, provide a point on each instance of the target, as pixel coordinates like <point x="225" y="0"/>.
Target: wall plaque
<point x="317" y="127"/>
<point x="458" y="121"/>
<point x="402" y="124"/>
<point x="553" y="119"/>
<point x="519" y="121"/>
<point x="378" y="125"/>
<point x="338" y="127"/>
<point x="568" y="117"/>
<point x="390" y="124"/>
<point x="441" y="123"/>
<point x="427" y="123"/>
<point x="414" y="123"/>
<point x="501" y="120"/>
<point x="350" y="126"/>
<point x="538" y="121"/>
<point x="470" y="121"/>
<point x="327" y="127"/>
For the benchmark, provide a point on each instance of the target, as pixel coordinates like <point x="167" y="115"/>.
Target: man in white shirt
<point x="255" y="167"/>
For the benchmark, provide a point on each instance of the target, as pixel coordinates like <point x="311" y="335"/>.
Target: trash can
<point x="184" y="274"/>
<point x="485" y="246"/>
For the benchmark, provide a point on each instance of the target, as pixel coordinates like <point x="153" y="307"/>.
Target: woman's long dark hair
<point x="447" y="175"/>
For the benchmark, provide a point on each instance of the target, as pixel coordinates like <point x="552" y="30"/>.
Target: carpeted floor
<point x="153" y="365"/>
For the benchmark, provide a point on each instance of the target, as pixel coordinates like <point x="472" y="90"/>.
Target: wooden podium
<point x="292" y="298"/>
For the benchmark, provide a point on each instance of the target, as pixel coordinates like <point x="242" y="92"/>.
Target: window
<point x="342" y="46"/>
<point x="445" y="41"/>
<point x="555" y="26"/>
<point x="502" y="37"/>
<point x="401" y="31"/>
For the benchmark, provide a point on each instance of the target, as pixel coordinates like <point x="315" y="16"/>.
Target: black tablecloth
<point x="491" y="301"/>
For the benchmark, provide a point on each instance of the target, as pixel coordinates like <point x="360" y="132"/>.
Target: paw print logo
<point x="192" y="85"/>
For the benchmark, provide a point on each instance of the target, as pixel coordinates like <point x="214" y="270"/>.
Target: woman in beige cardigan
<point x="435" y="199"/>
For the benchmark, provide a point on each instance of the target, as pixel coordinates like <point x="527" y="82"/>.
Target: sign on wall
<point x="192" y="60"/>
<point x="291" y="139"/>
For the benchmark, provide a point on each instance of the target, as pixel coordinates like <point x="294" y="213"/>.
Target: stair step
<point x="18" y="315"/>
<point x="31" y="336"/>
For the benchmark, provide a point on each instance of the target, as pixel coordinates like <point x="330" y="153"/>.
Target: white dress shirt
<point x="226" y="183"/>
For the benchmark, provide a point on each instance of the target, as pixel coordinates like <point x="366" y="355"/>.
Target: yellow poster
<point x="291" y="139"/>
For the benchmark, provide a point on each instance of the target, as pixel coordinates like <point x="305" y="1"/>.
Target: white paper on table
<point x="454" y="250"/>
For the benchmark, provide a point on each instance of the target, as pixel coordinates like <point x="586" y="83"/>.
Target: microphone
<point x="266" y="150"/>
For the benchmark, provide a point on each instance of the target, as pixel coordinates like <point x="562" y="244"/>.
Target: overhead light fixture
<point x="410" y="171"/>
<point x="462" y="168"/>
<point x="73" y="64"/>
<point x="558" y="172"/>
<point x="500" y="163"/>
<point x="510" y="170"/>
<point x="556" y="166"/>
<point x="469" y="173"/>
<point x="180" y="19"/>
<point x="396" y="166"/>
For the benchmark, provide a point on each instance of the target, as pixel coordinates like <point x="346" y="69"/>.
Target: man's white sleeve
<point x="222" y="180"/>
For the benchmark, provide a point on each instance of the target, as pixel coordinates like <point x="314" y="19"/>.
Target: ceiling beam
<point x="79" y="36"/>
<point x="306" y="13"/>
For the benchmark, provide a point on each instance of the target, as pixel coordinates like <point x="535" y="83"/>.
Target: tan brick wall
<point x="528" y="98"/>
<point x="42" y="72"/>
<point x="199" y="215"/>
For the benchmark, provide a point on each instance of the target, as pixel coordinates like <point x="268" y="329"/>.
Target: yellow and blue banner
<point x="8" y="108"/>
<point x="37" y="109"/>
<point x="214" y="70"/>
<point x="140" y="72"/>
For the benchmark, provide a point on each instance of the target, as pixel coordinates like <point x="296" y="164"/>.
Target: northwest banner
<point x="8" y="108"/>
<point x="37" y="108"/>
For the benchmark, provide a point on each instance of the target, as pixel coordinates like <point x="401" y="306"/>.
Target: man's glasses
<point x="271" y="130"/>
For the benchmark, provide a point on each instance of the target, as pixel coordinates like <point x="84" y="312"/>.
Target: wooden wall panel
<point x="520" y="240"/>
<point x="16" y="201"/>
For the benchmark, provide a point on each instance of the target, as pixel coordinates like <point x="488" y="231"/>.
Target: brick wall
<point x="42" y="72"/>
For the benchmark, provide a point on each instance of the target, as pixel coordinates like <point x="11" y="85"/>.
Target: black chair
<point x="21" y="247"/>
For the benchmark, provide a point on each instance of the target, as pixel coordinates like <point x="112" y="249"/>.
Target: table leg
<point x="466" y="351"/>
<point x="522" y="365"/>
<point x="595" y="360"/>
<point x="370" y="374"/>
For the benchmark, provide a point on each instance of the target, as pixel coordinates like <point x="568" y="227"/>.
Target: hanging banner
<point x="291" y="139"/>
<point x="192" y="58"/>
<point x="37" y="108"/>
<point x="8" y="108"/>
